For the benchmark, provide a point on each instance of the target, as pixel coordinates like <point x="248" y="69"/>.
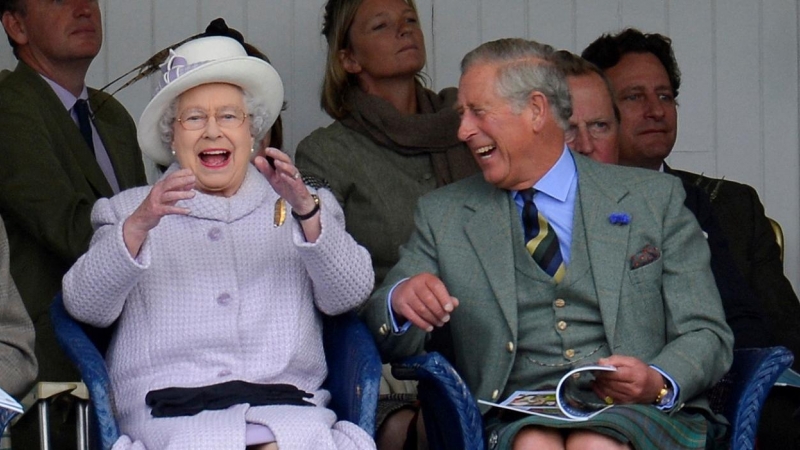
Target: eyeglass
<point x="197" y="119"/>
<point x="597" y="129"/>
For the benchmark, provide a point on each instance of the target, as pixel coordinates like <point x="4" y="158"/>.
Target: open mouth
<point x="485" y="151"/>
<point x="215" y="158"/>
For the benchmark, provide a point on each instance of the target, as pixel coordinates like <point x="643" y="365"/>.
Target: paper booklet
<point x="572" y="400"/>
<point x="8" y="402"/>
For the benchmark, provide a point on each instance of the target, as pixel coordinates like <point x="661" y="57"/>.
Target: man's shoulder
<point x="23" y="88"/>
<point x="715" y="187"/>
<point x="471" y="190"/>
<point x="634" y="180"/>
<point x="106" y="106"/>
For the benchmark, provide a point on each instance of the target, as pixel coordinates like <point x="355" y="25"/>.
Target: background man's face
<point x="65" y="30"/>
<point x="593" y="126"/>
<point x="649" y="115"/>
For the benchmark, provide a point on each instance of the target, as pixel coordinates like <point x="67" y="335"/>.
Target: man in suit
<point x="635" y="264"/>
<point x="593" y="132"/>
<point x="58" y="156"/>
<point x="645" y="77"/>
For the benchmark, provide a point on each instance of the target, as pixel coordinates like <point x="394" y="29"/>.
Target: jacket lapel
<point x="490" y="233"/>
<point x="607" y="244"/>
<point x="82" y="153"/>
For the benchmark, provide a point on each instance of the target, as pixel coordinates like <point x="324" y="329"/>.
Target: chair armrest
<point x="741" y="393"/>
<point x="354" y="370"/>
<point x="451" y="415"/>
<point x="92" y="367"/>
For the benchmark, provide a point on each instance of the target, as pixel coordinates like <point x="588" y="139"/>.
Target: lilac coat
<point x="219" y="295"/>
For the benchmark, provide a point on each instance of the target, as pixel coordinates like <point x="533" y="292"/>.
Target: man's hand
<point x="423" y="300"/>
<point x="633" y="382"/>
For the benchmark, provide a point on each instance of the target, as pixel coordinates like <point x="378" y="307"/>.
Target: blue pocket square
<point x="645" y="256"/>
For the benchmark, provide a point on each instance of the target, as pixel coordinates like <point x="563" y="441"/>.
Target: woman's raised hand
<point x="161" y="201"/>
<point x="287" y="182"/>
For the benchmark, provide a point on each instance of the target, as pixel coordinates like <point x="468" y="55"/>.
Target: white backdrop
<point x="738" y="103"/>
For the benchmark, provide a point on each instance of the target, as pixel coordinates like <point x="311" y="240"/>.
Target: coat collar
<point x="489" y="231"/>
<point x="254" y="192"/>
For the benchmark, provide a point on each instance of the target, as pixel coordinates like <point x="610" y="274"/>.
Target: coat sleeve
<point x="779" y="301"/>
<point x="96" y="287"/>
<point x="18" y="366"/>
<point x="340" y="269"/>
<point x="699" y="348"/>
<point x="418" y="255"/>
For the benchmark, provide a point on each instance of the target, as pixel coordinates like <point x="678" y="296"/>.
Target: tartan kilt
<point x="640" y="426"/>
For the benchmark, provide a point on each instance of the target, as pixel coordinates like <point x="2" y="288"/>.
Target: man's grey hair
<point x="524" y="67"/>
<point x="256" y="111"/>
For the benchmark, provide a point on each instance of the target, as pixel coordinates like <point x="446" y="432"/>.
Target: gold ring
<point x="609" y="400"/>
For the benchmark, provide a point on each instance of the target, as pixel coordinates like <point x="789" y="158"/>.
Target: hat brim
<point x="253" y="75"/>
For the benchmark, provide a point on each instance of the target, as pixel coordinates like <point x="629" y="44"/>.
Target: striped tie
<point x="541" y="239"/>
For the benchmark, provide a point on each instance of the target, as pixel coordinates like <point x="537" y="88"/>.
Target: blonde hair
<point x="339" y="16"/>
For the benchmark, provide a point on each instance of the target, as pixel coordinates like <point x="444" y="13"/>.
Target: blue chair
<point x="453" y="421"/>
<point x="5" y="418"/>
<point x="354" y="371"/>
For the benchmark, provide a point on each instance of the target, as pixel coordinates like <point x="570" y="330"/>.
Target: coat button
<point x="214" y="234"/>
<point x="560" y="303"/>
<point x="495" y="394"/>
<point x="493" y="439"/>
<point x="562" y="325"/>
<point x="384" y="330"/>
<point x="510" y="347"/>
<point x="569" y="353"/>
<point x="224" y="298"/>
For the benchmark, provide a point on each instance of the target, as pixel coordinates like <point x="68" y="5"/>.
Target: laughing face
<point x="498" y="135"/>
<point x="212" y="137"/>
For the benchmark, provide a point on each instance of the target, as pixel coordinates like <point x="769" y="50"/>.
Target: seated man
<point x="593" y="132"/>
<point x="616" y="280"/>
<point x="64" y="146"/>
<point x="17" y="362"/>
<point x="645" y="78"/>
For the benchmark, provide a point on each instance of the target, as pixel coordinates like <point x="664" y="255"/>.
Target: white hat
<point x="213" y="59"/>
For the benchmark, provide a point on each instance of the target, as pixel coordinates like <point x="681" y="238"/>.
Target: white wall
<point x="738" y="102"/>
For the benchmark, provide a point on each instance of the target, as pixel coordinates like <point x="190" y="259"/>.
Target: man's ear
<point x="15" y="28"/>
<point x="348" y="62"/>
<point x="540" y="109"/>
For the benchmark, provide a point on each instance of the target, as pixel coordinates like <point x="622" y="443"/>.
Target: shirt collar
<point x="65" y="96"/>
<point x="557" y="181"/>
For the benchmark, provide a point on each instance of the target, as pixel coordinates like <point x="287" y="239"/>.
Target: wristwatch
<point x="663" y="396"/>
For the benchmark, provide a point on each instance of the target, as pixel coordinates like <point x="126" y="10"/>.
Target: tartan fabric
<point x="641" y="426"/>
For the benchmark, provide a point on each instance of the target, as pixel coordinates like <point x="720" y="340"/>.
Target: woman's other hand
<point x="287" y="182"/>
<point x="159" y="202"/>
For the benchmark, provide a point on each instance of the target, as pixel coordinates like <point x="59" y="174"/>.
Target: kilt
<point x="640" y="426"/>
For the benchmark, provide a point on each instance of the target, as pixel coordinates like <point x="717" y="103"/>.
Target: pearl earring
<point x="173" y="153"/>
<point x="252" y="150"/>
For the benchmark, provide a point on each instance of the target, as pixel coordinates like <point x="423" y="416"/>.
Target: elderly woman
<point x="218" y="297"/>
